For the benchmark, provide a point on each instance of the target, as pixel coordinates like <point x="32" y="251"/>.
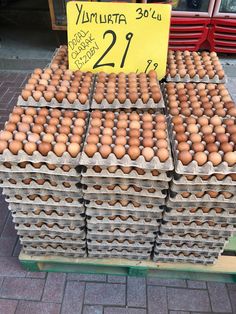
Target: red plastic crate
<point x="222" y="35"/>
<point x="188" y="33"/>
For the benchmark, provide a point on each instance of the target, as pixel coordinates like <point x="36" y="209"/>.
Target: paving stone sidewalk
<point x="23" y="292"/>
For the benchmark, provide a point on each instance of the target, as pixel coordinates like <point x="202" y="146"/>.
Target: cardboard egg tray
<point x="119" y="174"/>
<point x="205" y="201"/>
<point x="73" y="174"/>
<point x="105" y="245"/>
<point x="186" y="215"/>
<point x="176" y="248"/>
<point x="48" y="229"/>
<point x="18" y="207"/>
<point x="116" y="104"/>
<point x="200" y="188"/>
<point x="166" y="100"/>
<point x="196" y="78"/>
<point x="160" y="185"/>
<point x="61" y="246"/>
<point x="55" y="251"/>
<point x="136" y="198"/>
<point x="119" y="235"/>
<point x="56" y="54"/>
<point x="64" y="220"/>
<point x="94" y="212"/>
<point x="51" y="158"/>
<point x="20" y="186"/>
<point x="118" y="224"/>
<point x="54" y="103"/>
<point x="178" y="258"/>
<point x="129" y="191"/>
<point x="136" y="255"/>
<point x="47" y="239"/>
<point x="172" y="238"/>
<point x="198" y="181"/>
<point x="126" y="161"/>
<point x="24" y="199"/>
<point x="11" y="192"/>
<point x="222" y="230"/>
<point x="193" y="168"/>
<point x="142" y="213"/>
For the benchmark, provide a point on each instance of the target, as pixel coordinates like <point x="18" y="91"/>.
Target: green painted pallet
<point x="223" y="270"/>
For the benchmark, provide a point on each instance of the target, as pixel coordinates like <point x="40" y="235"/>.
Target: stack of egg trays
<point x="49" y="217"/>
<point x="123" y="224"/>
<point x="46" y="200"/>
<point x="193" y="221"/>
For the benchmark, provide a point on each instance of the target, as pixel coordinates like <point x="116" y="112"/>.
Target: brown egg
<point x="76" y="139"/>
<point x="23" y="127"/>
<point x="121" y="97"/>
<point x="105" y="151"/>
<point x="134" y="133"/>
<point x="148" y="153"/>
<point x="183" y="146"/>
<point x="212" y="147"/>
<point x="14" y="118"/>
<point x="40" y="120"/>
<point x="33" y="137"/>
<point x="148" y="142"/>
<point x="162" y="154"/>
<point x="185" y="157"/>
<point x="64" y="129"/>
<point x="126" y="170"/>
<point x="109" y="115"/>
<point x="181" y="137"/>
<point x="230" y="158"/>
<point x="19" y="136"/>
<point x="3" y="146"/>
<point x="119" y="151"/>
<point x="50" y="129"/>
<point x="106" y="140"/>
<point x="215" y="158"/>
<point x="195" y="138"/>
<point x="160" y="134"/>
<point x="198" y="147"/>
<point x="122" y="124"/>
<point x="161" y="143"/>
<point x="209" y="138"/>
<point x="222" y="137"/>
<point x="133" y="152"/>
<point x="25" y="94"/>
<point x="5" y="135"/>
<point x="48" y="138"/>
<point x="134" y="141"/>
<point x="134" y="125"/>
<point x="226" y="147"/>
<point x="44" y="148"/>
<point x="120" y="140"/>
<point x="147" y="133"/>
<point x="134" y="116"/>
<point x="108" y="124"/>
<point x="73" y="149"/>
<point x="37" y="128"/>
<point x="15" y="147"/>
<point x="92" y="139"/>
<point x="201" y="158"/>
<point x="30" y="148"/>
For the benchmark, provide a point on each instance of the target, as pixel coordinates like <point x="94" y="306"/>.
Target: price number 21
<point x="128" y="38"/>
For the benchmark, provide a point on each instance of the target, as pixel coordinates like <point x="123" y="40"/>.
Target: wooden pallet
<point x="223" y="270"/>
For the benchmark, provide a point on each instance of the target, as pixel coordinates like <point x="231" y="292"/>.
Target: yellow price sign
<point x="115" y="37"/>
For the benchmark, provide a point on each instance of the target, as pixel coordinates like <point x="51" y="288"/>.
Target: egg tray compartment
<point x="94" y="212"/>
<point x="105" y="245"/>
<point x="47" y="239"/>
<point x="126" y="161"/>
<point x="212" y="181"/>
<point x="136" y="198"/>
<point x="165" y="97"/>
<point x="65" y="104"/>
<point x="181" y="258"/>
<point x="133" y="255"/>
<point x="48" y="229"/>
<point x="73" y="174"/>
<point x="116" y="104"/>
<point x="65" y="220"/>
<point x="190" y="240"/>
<point x="104" y="181"/>
<point x="19" y="185"/>
<point x="193" y="228"/>
<point x="193" y="168"/>
<point x="205" y="201"/>
<point x="129" y="224"/>
<point x="29" y="191"/>
<point x="141" y="213"/>
<point x="18" y="207"/>
<point x="130" y="191"/>
<point x="196" y="79"/>
<point x="133" y="175"/>
<point x="206" y="250"/>
<point x="38" y="201"/>
<point x="187" y="216"/>
<point x="56" y="252"/>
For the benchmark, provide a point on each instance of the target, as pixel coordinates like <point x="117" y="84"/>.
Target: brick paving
<point x="23" y="292"/>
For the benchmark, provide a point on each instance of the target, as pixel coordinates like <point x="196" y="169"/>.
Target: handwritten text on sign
<point x="115" y="37"/>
